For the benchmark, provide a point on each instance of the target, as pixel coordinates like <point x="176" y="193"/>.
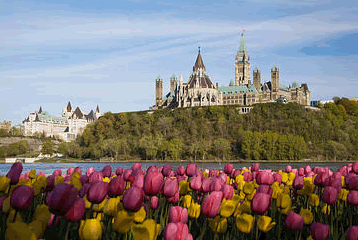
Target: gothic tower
<point x="257" y="79"/>
<point x="275" y="84"/>
<point x="158" y="90"/>
<point x="173" y="84"/>
<point x="242" y="65"/>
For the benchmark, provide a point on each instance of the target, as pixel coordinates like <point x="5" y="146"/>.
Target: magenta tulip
<point x="265" y="178"/>
<point x="138" y="181"/>
<point x="84" y="189"/>
<point x="216" y="184"/>
<point x="22" y="197"/>
<point x="152" y="169"/>
<point x="119" y="171"/>
<point x="265" y="189"/>
<point x="14" y="173"/>
<point x="50" y="183"/>
<point x="260" y="203"/>
<point x="70" y="171"/>
<point x="62" y="198"/>
<point x="180" y="170"/>
<point x="196" y="183"/>
<point x="127" y="174"/>
<point x="95" y="177"/>
<point x="174" y="199"/>
<point x="228" y="191"/>
<point x="78" y="170"/>
<point x="136" y="166"/>
<point x="352" y="197"/>
<point x="116" y="186"/>
<point x="298" y="182"/>
<point x="154" y="202"/>
<point x="153" y="183"/>
<point x="213" y="173"/>
<point x="67" y="179"/>
<point x="288" y="169"/>
<point x="83" y="179"/>
<point x="171" y="186"/>
<point x="97" y="192"/>
<point x="255" y="167"/>
<point x="294" y="221"/>
<point x="90" y="171"/>
<point x="228" y="168"/>
<point x="57" y="172"/>
<point x="352" y="233"/>
<point x="330" y="195"/>
<point x="176" y="231"/>
<point x="167" y="169"/>
<point x="205" y="186"/>
<point x="352" y="181"/>
<point x="191" y="169"/>
<point x="320" y="178"/>
<point x="319" y="231"/>
<point x="77" y="211"/>
<point x="277" y="177"/>
<point x="51" y="223"/>
<point x="247" y="176"/>
<point x="211" y="204"/>
<point x="107" y="171"/>
<point x="133" y="199"/>
<point x="178" y="214"/>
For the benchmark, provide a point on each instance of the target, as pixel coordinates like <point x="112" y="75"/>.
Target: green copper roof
<point x="173" y="76"/>
<point x="274" y="68"/>
<point x="237" y="89"/>
<point x="231" y="82"/>
<point x="294" y="85"/>
<point x="256" y="69"/>
<point x="242" y="48"/>
<point x="158" y="78"/>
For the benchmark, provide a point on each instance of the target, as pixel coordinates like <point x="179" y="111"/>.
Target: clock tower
<point x="242" y="65"/>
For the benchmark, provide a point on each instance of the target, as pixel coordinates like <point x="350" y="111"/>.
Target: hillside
<point x="272" y="131"/>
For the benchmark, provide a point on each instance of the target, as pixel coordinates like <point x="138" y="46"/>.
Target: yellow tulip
<point x="187" y="201"/>
<point x="227" y="208"/>
<point x="42" y="213"/>
<point x="140" y="215"/>
<point x="10" y="218"/>
<point x="291" y="176"/>
<point x="242" y="195"/>
<point x="236" y="198"/>
<point x="90" y="229"/>
<point x="343" y="181"/>
<point x="284" y="201"/>
<point x="148" y="230"/>
<point x="307" y="188"/>
<point x="245" y="223"/>
<point x="264" y="223"/>
<point x="249" y="197"/>
<point x="218" y="224"/>
<point x="4" y="183"/>
<point x="99" y="207"/>
<point x="38" y="227"/>
<point x="309" y="238"/>
<point x="343" y="194"/>
<point x="256" y="185"/>
<point x="110" y="208"/>
<point x="307" y="216"/>
<point x="205" y="174"/>
<point x="128" y="185"/>
<point x="106" y="179"/>
<point x="232" y="181"/>
<point x="284" y="177"/>
<point x="122" y="222"/>
<point x="194" y="210"/>
<point x="32" y="174"/>
<point x="183" y="187"/>
<point x="19" y="231"/>
<point x="6" y="205"/>
<point x="244" y="170"/>
<point x="245" y="207"/>
<point x="324" y="209"/>
<point x="239" y="178"/>
<point x="248" y="188"/>
<point x="42" y="180"/>
<point x="76" y="182"/>
<point x="58" y="180"/>
<point x="240" y="185"/>
<point x="87" y="203"/>
<point x="120" y="206"/>
<point x="313" y="200"/>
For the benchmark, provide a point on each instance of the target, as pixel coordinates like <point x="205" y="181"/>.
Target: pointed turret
<point x="97" y="109"/>
<point x="69" y="107"/>
<point x="199" y="62"/>
<point x="40" y="110"/>
<point x="242" y="48"/>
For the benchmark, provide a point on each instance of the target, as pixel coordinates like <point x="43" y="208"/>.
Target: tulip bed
<point x="188" y="203"/>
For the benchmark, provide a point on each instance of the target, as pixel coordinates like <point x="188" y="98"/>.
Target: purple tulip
<point x="330" y="195"/>
<point x="352" y="233"/>
<point x="62" y="198"/>
<point x="14" y="173"/>
<point x="119" y="171"/>
<point x="84" y="189"/>
<point x="50" y="183"/>
<point x="298" y="182"/>
<point x="133" y="199"/>
<point x="191" y="169"/>
<point x="77" y="211"/>
<point x="138" y="181"/>
<point x="97" y="192"/>
<point x="180" y="170"/>
<point x="107" y="171"/>
<point x="22" y="197"/>
<point x="178" y="214"/>
<point x="154" y="202"/>
<point x="95" y="177"/>
<point x="260" y="203"/>
<point x="294" y="221"/>
<point x="319" y="231"/>
<point x="228" y="168"/>
<point x="153" y="183"/>
<point x="84" y="179"/>
<point x="171" y="186"/>
<point x="352" y="197"/>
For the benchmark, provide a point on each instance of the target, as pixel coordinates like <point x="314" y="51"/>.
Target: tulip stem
<point x="16" y="211"/>
<point x="67" y="231"/>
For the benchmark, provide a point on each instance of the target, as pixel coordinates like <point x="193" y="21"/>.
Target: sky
<point x="109" y="53"/>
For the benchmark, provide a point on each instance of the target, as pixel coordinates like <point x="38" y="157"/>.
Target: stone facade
<point x="65" y="126"/>
<point x="200" y="91"/>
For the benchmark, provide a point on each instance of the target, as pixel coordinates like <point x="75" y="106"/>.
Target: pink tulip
<point x="260" y="203"/>
<point x="70" y="171"/>
<point x="119" y="171"/>
<point x="57" y="172"/>
<point x="235" y="173"/>
<point x="90" y="171"/>
<point x="319" y="231"/>
<point x="51" y="223"/>
<point x="178" y="214"/>
<point x="228" y="191"/>
<point x="78" y="170"/>
<point x="62" y="198"/>
<point x="27" y="176"/>
<point x="255" y="167"/>
<point x="171" y="186"/>
<point x="301" y="172"/>
<point x="133" y="199"/>
<point x="254" y="174"/>
<point x="223" y="177"/>
<point x="14" y="173"/>
<point x="116" y="186"/>
<point x="191" y="169"/>
<point x="298" y="182"/>
<point x="154" y="202"/>
<point x="107" y="171"/>
<point x="127" y="174"/>
<point x="213" y="172"/>
<point x="136" y="166"/>
<point x="288" y="169"/>
<point x="247" y="176"/>
<point x="330" y="195"/>
<point x="95" y="177"/>
<point x="153" y="182"/>
<point x="343" y="170"/>
<point x="97" y="192"/>
<point x="265" y="189"/>
<point x="211" y="204"/>
<point x="41" y="174"/>
<point x="352" y="233"/>
<point x="196" y="183"/>
<point x="205" y="186"/>
<point x="176" y="231"/>
<point x="307" y="170"/>
<point x="265" y="178"/>
<point x="228" y="168"/>
<point x="166" y="170"/>
<point x="277" y="177"/>
<point x="180" y="170"/>
<point x="22" y="197"/>
<point x="77" y="211"/>
<point x="138" y="181"/>
<point x="294" y="221"/>
<point x="173" y="199"/>
<point x="352" y="197"/>
<point x="22" y="176"/>
<point x="320" y="178"/>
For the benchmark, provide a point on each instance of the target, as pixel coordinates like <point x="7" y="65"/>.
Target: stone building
<point x="200" y="91"/>
<point x="6" y="125"/>
<point x="65" y="126"/>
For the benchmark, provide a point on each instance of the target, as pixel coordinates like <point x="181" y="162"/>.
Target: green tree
<point x="47" y="148"/>
<point x="221" y="147"/>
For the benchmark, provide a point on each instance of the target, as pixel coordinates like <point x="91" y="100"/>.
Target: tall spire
<point x="69" y="107"/>
<point x="199" y="62"/>
<point x="242" y="48"/>
<point x="40" y="110"/>
<point x="97" y="109"/>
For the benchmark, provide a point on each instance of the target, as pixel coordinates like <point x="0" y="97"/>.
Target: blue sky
<point x="110" y="52"/>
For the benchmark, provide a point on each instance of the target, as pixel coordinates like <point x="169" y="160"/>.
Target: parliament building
<point x="200" y="91"/>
